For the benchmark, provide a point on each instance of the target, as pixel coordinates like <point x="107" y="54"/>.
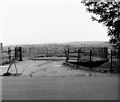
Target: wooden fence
<point x="87" y="54"/>
<point x="9" y="54"/>
<point x="80" y="56"/>
<point x="33" y="52"/>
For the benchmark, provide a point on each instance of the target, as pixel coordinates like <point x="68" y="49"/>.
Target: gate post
<point x="9" y="54"/>
<point x="20" y="53"/>
<point x="78" y="58"/>
<point x="67" y="56"/>
<point x="16" y="53"/>
<point x="106" y="52"/>
<point x="90" y="59"/>
<point x="29" y="52"/>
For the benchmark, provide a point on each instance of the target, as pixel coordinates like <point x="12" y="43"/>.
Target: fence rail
<point x="37" y="52"/>
<point x="76" y="55"/>
<point x="10" y="54"/>
<point x="95" y="57"/>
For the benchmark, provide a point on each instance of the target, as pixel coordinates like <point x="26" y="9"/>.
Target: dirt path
<point x="43" y="68"/>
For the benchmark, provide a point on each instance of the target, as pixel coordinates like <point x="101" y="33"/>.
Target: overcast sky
<point x="47" y="21"/>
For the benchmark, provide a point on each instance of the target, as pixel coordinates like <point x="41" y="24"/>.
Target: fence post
<point x="16" y="53"/>
<point x="20" y="53"/>
<point x="68" y="53"/>
<point x="106" y="52"/>
<point x="46" y="52"/>
<point x="9" y="54"/>
<point x="29" y="52"/>
<point x="78" y="58"/>
<point x="23" y="52"/>
<point x="90" y="60"/>
<point x="67" y="56"/>
<point x="111" y="62"/>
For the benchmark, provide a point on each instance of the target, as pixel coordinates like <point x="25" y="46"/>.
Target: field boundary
<point x="92" y="58"/>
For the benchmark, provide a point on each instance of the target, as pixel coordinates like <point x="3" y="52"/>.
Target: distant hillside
<point x="88" y="44"/>
<point x="74" y="44"/>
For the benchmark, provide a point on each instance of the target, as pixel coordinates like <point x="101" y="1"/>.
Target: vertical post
<point x="67" y="56"/>
<point x="100" y="53"/>
<point x="16" y="53"/>
<point x="9" y="54"/>
<point x="20" y="53"/>
<point x="68" y="53"/>
<point x="106" y="53"/>
<point x="111" y="62"/>
<point x="90" y="59"/>
<point x="47" y="53"/>
<point x="78" y="58"/>
<point x="29" y="52"/>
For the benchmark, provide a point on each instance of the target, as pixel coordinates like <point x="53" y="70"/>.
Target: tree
<point x="107" y="13"/>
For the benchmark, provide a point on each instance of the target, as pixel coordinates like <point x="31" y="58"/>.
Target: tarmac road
<point x="60" y="88"/>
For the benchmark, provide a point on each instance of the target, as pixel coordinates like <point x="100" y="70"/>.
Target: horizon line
<point x="52" y="43"/>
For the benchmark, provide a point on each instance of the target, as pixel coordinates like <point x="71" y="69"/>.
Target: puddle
<point x="3" y="66"/>
<point x="58" y="65"/>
